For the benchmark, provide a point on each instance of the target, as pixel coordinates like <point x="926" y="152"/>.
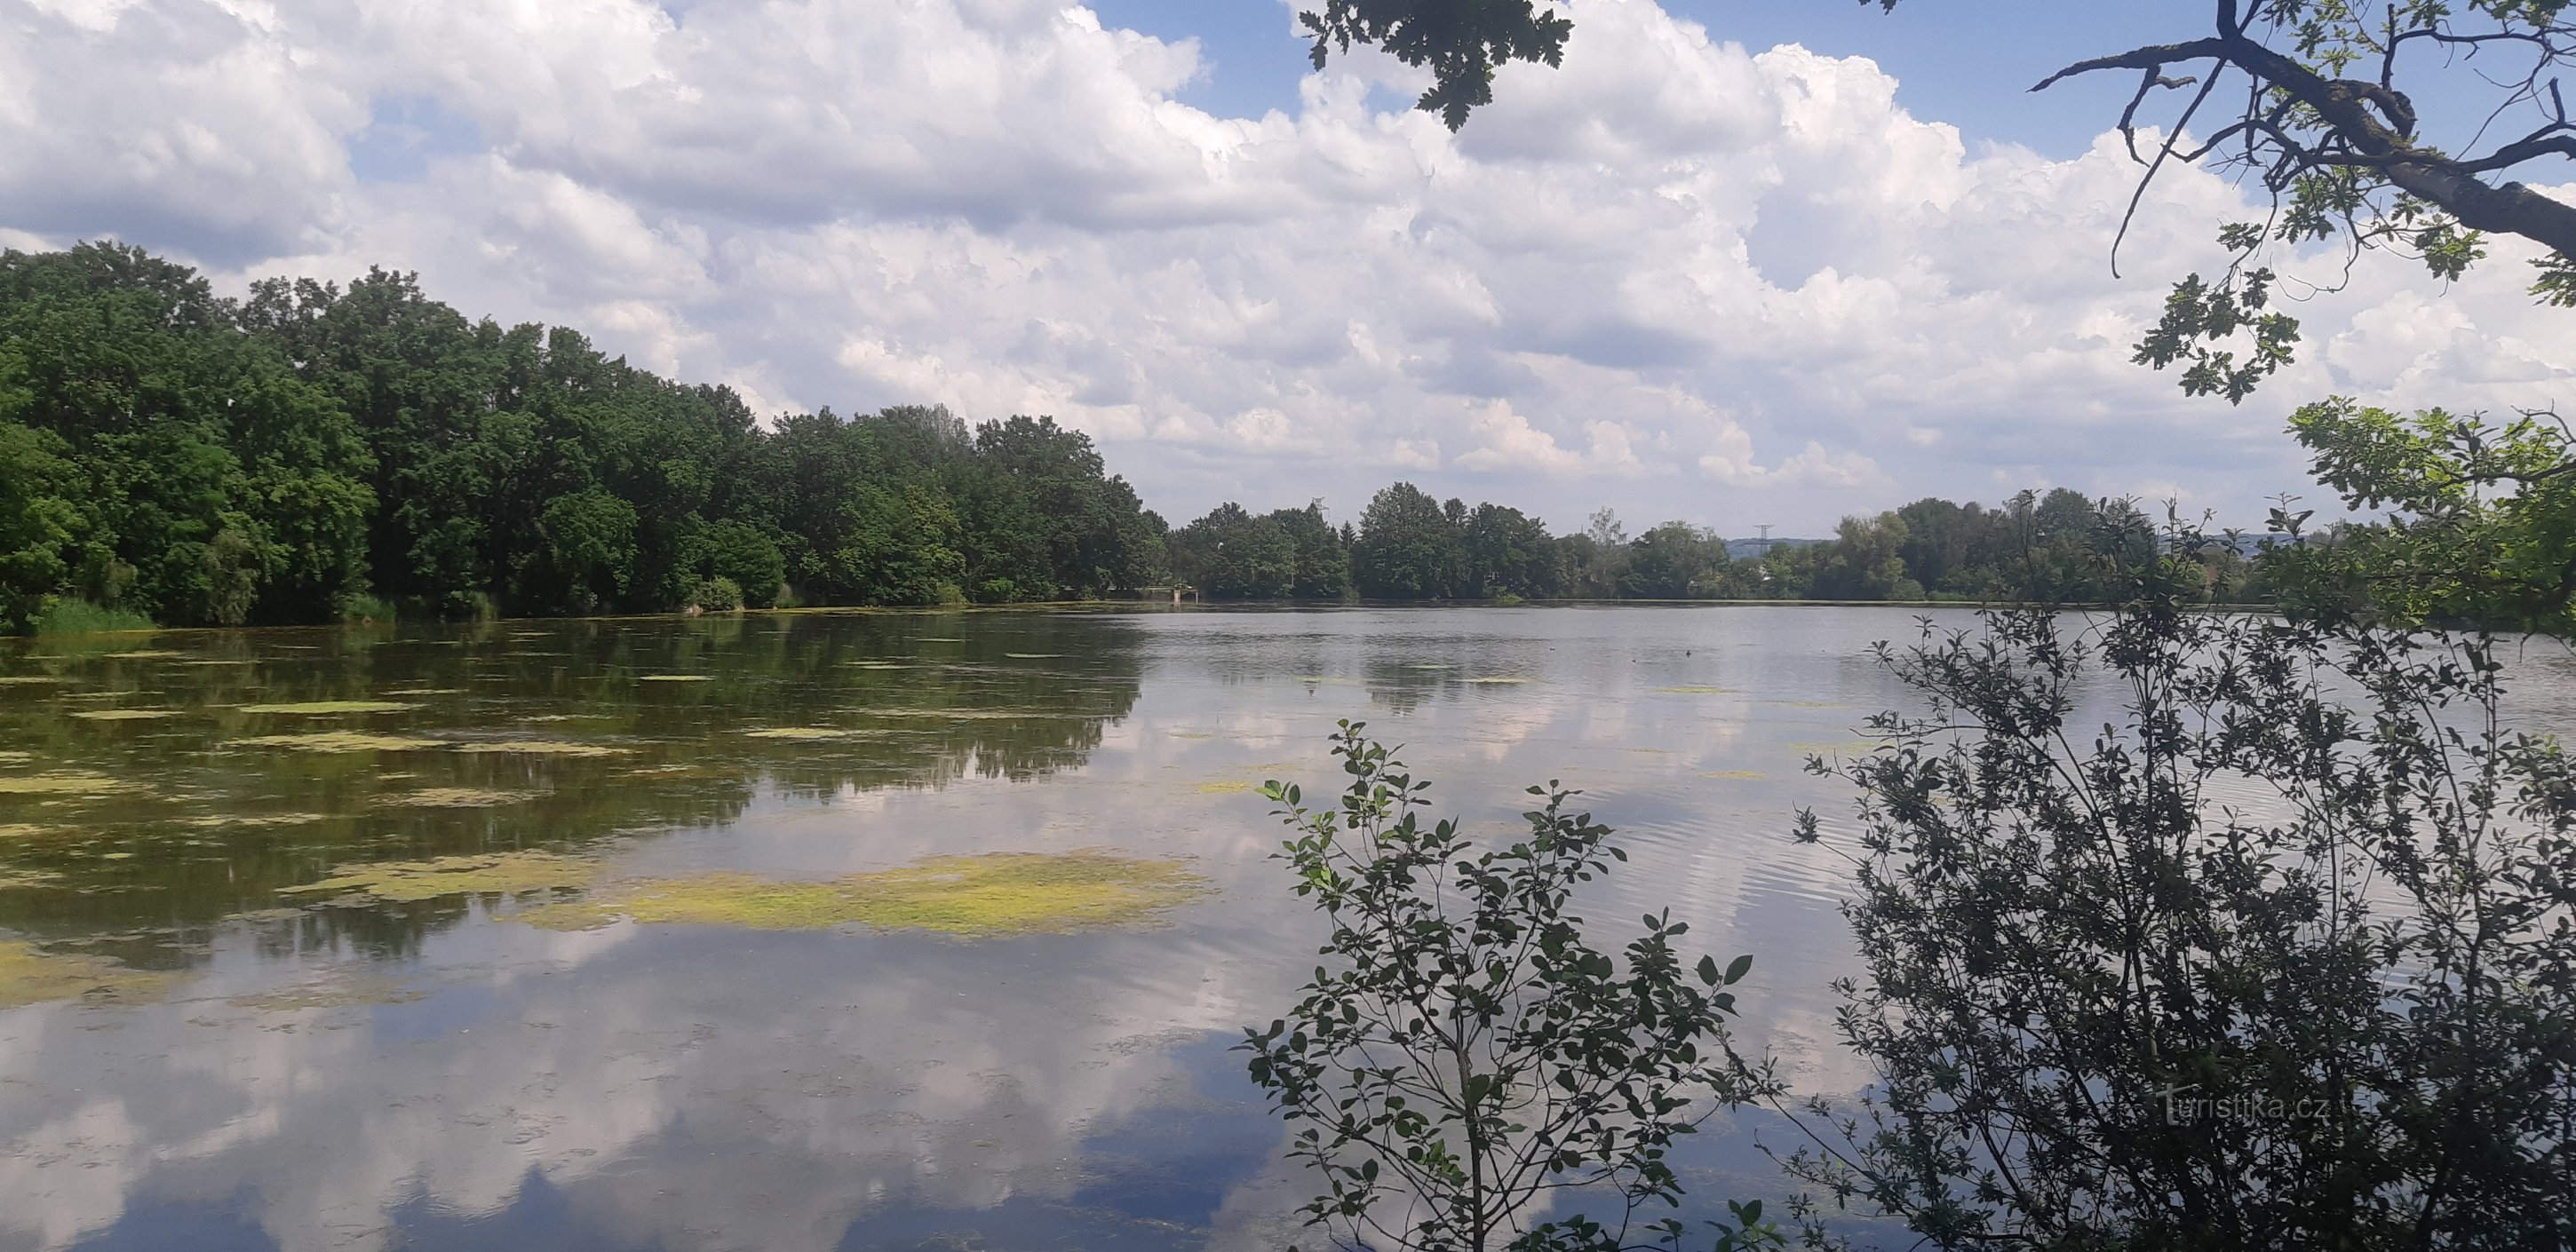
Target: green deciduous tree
<point x="2484" y="528"/>
<point x="1408" y="549"/>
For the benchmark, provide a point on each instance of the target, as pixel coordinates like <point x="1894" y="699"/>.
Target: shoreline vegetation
<point x="312" y="454"/>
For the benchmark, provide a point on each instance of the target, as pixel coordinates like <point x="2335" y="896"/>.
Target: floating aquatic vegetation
<point x="19" y="879"/>
<point x="124" y="715"/>
<point x="1033" y="656"/>
<point x="456" y="798"/>
<point x="1499" y="681"/>
<point x="543" y="747"/>
<point x="426" y="691"/>
<point x="30" y="975"/>
<point x="319" y="707"/>
<point x="1695" y="691"/>
<point x="218" y="820"/>
<point x="996" y="894"/>
<point x="341" y="741"/>
<point x="881" y="665"/>
<point x="144" y="654"/>
<point x="971" y="715"/>
<point x="218" y="661"/>
<point x="1731" y="773"/>
<point x="12" y="680"/>
<point x="61" y="782"/>
<point x="21" y="830"/>
<point x="673" y="678"/>
<point x="332" y="989"/>
<point x="16" y="758"/>
<point x="502" y="873"/>
<point x="808" y="733"/>
<point x="1225" y="787"/>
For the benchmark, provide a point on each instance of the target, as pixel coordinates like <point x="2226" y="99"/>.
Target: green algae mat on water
<point x="496" y="873"/>
<point x="988" y="896"/>
<point x="316" y="708"/>
<point x="341" y="741"/>
<point x="993" y="895"/>
<point x="31" y="975"/>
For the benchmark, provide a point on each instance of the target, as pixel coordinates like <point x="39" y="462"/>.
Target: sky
<point x="1738" y="262"/>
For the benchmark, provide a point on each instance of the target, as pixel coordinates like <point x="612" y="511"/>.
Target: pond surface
<point x="630" y="934"/>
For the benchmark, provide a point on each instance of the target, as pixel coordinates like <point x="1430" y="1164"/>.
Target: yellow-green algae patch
<point x="331" y="990"/>
<point x="673" y="678"/>
<point x="456" y="798"/>
<point x="18" y="879"/>
<point x="312" y="707"/>
<point x="988" y="896"/>
<point x="61" y="782"/>
<point x="29" y="975"/>
<point x="21" y="830"/>
<point x="144" y="654"/>
<point x="806" y="732"/>
<point x="16" y="758"/>
<point x="543" y="747"/>
<point x="11" y="680"/>
<point x="1225" y="787"/>
<point x="502" y="873"/>
<point x="124" y="715"/>
<point x="340" y="741"/>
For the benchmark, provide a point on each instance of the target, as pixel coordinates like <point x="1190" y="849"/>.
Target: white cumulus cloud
<point x="1677" y="275"/>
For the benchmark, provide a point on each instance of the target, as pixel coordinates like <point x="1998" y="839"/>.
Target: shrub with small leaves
<point x="1465" y="1053"/>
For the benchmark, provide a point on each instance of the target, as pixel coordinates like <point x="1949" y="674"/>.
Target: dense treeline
<point x="2057" y="547"/>
<point x="310" y="452"/>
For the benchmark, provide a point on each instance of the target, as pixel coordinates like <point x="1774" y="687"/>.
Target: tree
<point x="1466" y="1053"/>
<point x="2341" y="154"/>
<point x="1408" y="548"/>
<point x="1323" y="558"/>
<point x="2486" y="522"/>
<point x="1865" y="562"/>
<point x="2240" y="965"/>
<point x="1508" y="552"/>
<point x="1673" y="561"/>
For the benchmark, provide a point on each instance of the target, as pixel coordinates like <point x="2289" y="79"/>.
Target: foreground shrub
<point x="2279" y="955"/>
<point x="1465" y="1053"/>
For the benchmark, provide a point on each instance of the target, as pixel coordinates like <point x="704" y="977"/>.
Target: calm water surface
<point x="356" y="1074"/>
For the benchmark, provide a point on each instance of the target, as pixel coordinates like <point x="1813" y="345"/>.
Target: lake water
<point x="194" y="1053"/>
